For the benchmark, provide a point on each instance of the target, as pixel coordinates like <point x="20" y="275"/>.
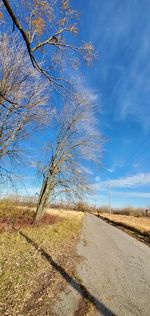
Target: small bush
<point x="130" y="211"/>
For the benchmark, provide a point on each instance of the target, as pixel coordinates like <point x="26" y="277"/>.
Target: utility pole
<point x="109" y="198"/>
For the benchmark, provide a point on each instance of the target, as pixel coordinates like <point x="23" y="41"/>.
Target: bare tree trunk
<point x="43" y="199"/>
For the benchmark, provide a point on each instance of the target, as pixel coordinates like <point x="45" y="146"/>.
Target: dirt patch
<point x="83" y="308"/>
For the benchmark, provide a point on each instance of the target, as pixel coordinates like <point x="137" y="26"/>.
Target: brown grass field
<point x="29" y="284"/>
<point x="141" y="224"/>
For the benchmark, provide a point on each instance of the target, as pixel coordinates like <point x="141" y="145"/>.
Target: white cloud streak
<point x="140" y="195"/>
<point x="137" y="180"/>
<point x="128" y="58"/>
<point x="86" y="170"/>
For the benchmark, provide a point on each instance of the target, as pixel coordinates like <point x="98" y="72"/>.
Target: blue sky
<point x="120" y="31"/>
<point x="119" y="80"/>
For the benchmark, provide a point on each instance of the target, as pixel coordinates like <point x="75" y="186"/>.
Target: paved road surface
<point x="115" y="270"/>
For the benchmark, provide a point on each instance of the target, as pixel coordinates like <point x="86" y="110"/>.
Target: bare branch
<point x="52" y="40"/>
<point x="44" y="21"/>
<point x="20" y="105"/>
<point x="19" y="27"/>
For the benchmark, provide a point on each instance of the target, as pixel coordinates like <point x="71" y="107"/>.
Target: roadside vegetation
<point x="29" y="281"/>
<point x="85" y="207"/>
<point x="139" y="224"/>
<point x="128" y="211"/>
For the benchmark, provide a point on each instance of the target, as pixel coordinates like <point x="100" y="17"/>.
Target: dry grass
<point x="64" y="213"/>
<point x="28" y="283"/>
<point x="140" y="224"/>
<point x="79" y="207"/>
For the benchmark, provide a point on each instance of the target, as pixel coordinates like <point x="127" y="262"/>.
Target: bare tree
<point x="23" y="96"/>
<point x="77" y="138"/>
<point x="44" y="26"/>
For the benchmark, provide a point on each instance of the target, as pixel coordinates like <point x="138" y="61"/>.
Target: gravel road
<point x="115" y="271"/>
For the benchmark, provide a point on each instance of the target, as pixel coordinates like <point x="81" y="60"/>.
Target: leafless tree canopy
<point x="28" y="70"/>
<point x="23" y="95"/>
<point x="44" y="26"/>
<point x="77" y="138"/>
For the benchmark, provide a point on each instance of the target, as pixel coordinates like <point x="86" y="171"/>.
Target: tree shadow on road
<point x="80" y="288"/>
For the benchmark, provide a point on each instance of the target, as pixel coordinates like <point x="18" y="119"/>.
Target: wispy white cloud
<point x="115" y="166"/>
<point x="125" y="54"/>
<point x="140" y="195"/>
<point x="81" y="84"/>
<point x="129" y="181"/>
<point x="111" y="170"/>
<point x="86" y="170"/>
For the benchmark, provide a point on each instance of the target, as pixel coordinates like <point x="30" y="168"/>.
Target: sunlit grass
<point x="140" y="223"/>
<point x="22" y="267"/>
